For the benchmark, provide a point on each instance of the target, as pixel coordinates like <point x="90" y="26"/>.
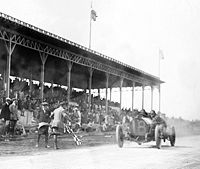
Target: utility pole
<point x="161" y="57"/>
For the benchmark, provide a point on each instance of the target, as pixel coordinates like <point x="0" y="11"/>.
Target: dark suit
<point x="5" y="112"/>
<point x="43" y="116"/>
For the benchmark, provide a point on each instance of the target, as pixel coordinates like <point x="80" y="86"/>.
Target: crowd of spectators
<point x="28" y="98"/>
<point x="29" y="102"/>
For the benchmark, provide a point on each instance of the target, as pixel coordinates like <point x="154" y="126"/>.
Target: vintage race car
<point x="142" y="129"/>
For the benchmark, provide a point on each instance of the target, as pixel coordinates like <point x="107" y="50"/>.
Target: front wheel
<point x="158" y="136"/>
<point x="172" y="137"/>
<point x="119" y="136"/>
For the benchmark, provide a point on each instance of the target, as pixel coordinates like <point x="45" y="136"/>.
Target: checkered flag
<point x="75" y="137"/>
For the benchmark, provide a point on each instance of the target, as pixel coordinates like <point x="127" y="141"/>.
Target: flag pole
<point x="90" y="34"/>
<point x="160" y="56"/>
<point x="159" y="79"/>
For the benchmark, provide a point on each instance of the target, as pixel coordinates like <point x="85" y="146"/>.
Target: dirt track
<point x="185" y="155"/>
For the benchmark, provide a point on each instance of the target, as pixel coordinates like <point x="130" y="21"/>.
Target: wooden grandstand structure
<point x="24" y="47"/>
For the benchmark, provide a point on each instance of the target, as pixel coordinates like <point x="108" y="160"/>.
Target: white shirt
<point x="58" y="114"/>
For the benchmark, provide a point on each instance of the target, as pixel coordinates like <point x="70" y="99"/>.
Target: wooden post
<point x="151" y="97"/>
<point x="110" y="93"/>
<point x="10" y="48"/>
<point x="121" y="85"/>
<point x="133" y="95"/>
<point x="107" y="79"/>
<point x="90" y="86"/>
<point x="159" y="98"/>
<point x="43" y="57"/>
<point x="142" y="96"/>
<point x="69" y="65"/>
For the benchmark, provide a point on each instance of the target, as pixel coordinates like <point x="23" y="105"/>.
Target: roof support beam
<point x="133" y="87"/>
<point x="90" y="87"/>
<point x="43" y="57"/>
<point x="159" y="102"/>
<point x="121" y="85"/>
<point x="107" y="81"/>
<point x="110" y="93"/>
<point x="152" y="97"/>
<point x="143" y="96"/>
<point x="69" y="65"/>
<point x="10" y="48"/>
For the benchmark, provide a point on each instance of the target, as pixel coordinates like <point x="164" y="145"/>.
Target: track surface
<point x="185" y="155"/>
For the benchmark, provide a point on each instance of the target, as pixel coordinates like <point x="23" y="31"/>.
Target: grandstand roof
<point x="30" y="41"/>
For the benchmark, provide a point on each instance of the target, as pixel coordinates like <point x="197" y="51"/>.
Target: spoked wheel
<point x="172" y="137"/>
<point x="119" y="136"/>
<point x="158" y="136"/>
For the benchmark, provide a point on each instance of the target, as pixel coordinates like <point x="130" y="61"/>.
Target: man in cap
<point x="5" y="116"/>
<point x="44" y="120"/>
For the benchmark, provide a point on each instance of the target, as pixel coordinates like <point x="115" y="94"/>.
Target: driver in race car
<point x="156" y="119"/>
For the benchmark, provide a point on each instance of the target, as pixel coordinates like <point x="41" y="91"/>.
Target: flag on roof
<point x="93" y="15"/>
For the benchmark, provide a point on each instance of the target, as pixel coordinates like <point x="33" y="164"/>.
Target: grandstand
<point x="31" y="53"/>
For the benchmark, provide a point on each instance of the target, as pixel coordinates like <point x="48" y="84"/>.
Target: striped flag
<point x="93" y="15"/>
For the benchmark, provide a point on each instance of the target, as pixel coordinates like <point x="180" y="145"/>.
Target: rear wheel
<point x="119" y="136"/>
<point x="158" y="136"/>
<point x="172" y="137"/>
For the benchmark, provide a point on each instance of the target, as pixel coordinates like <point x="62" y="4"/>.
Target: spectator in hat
<point x="13" y="116"/>
<point x="5" y="116"/>
<point x="44" y="120"/>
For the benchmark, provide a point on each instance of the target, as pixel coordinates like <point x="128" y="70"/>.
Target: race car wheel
<point x="172" y="137"/>
<point x="119" y="136"/>
<point x="158" y="136"/>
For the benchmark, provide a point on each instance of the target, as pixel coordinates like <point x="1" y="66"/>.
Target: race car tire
<point x="158" y="136"/>
<point x="172" y="137"/>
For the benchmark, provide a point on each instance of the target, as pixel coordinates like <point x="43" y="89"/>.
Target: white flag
<point x="93" y="15"/>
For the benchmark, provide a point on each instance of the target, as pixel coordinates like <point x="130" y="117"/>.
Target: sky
<point x="132" y="31"/>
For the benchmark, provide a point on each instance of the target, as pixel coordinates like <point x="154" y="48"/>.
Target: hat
<point x="8" y="99"/>
<point x="44" y="103"/>
<point x="62" y="103"/>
